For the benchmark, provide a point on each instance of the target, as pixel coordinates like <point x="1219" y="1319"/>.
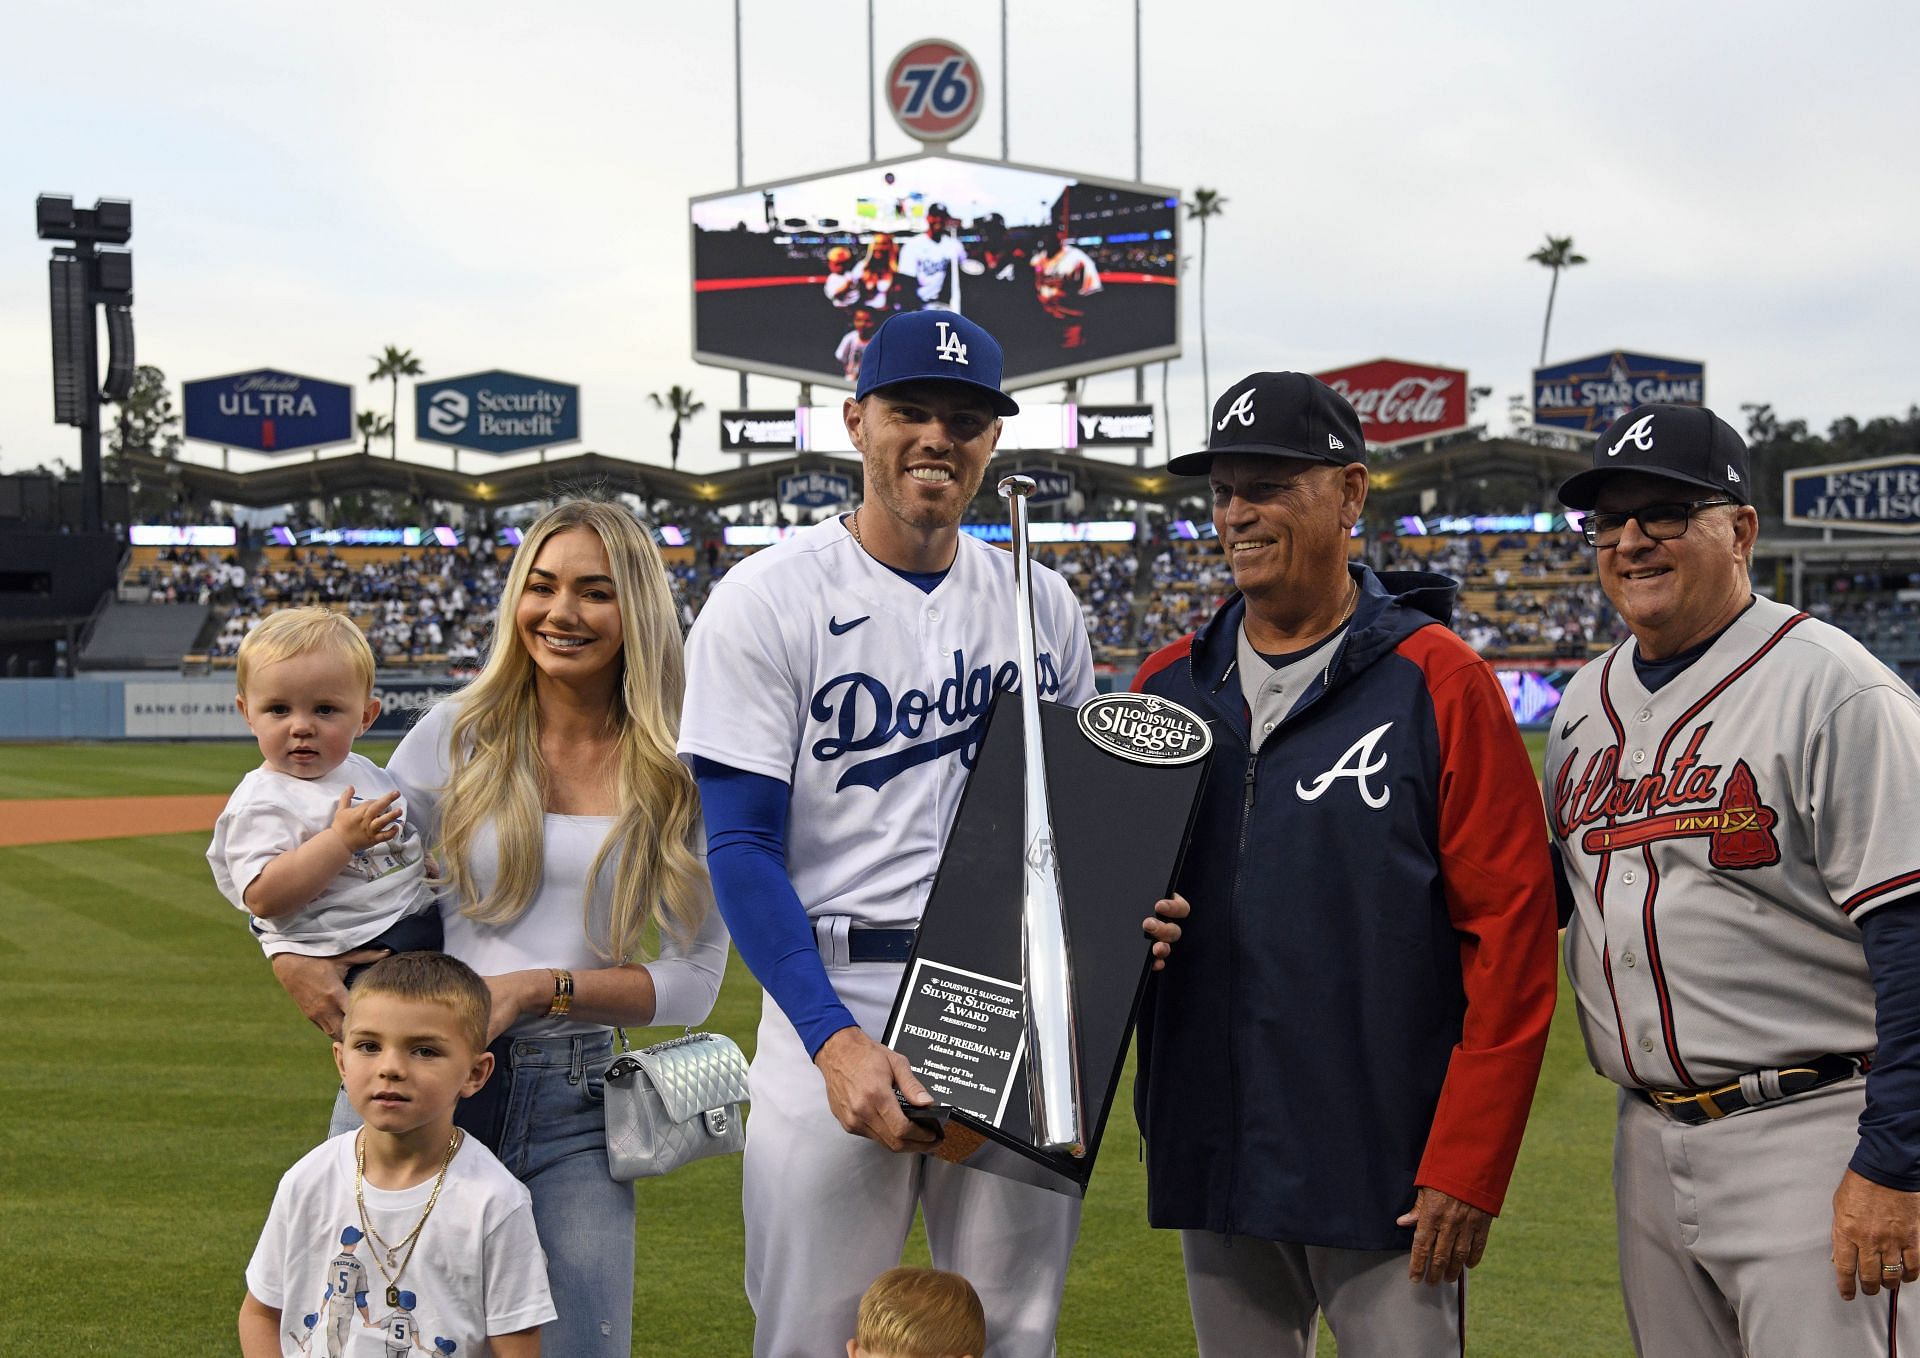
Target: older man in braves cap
<point x="1335" y="1077"/>
<point x="1732" y="792"/>
<point x="829" y="776"/>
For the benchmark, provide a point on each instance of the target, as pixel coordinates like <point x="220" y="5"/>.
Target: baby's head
<point x="838" y="258"/>
<point x="919" y="1313"/>
<point x="306" y="689"/>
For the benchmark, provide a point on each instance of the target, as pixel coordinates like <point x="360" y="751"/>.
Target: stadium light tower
<point x="80" y="277"/>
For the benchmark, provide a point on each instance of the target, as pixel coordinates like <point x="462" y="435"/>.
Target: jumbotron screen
<point x="1071" y="275"/>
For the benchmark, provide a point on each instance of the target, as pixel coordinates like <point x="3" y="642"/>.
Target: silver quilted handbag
<point x="674" y="1102"/>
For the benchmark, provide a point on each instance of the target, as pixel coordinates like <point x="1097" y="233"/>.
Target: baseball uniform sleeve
<point x="1889" y="1149"/>
<point x="1067" y="628"/>
<point x="746" y="817"/>
<point x="1866" y="801"/>
<point x="744" y="705"/>
<point x="1500" y="896"/>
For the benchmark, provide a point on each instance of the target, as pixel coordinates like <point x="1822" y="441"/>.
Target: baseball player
<point x="837" y="686"/>
<point x="1732" y="792"/>
<point x="1064" y="277"/>
<point x="346" y="1290"/>
<point x="935" y="261"/>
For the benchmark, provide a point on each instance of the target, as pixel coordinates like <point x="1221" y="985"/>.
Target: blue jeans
<point x="553" y="1138"/>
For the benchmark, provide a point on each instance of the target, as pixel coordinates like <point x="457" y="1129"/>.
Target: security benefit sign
<point x="497" y="412"/>
<point x="268" y="411"/>
<point x="1590" y="393"/>
<point x="1881" y="495"/>
<point x="816" y="490"/>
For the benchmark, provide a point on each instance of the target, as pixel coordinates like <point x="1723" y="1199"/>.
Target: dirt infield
<point x="60" y="820"/>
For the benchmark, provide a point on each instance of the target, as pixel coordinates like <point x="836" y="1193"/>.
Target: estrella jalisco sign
<point x="496" y="412"/>
<point x="267" y="411"/>
<point x="1879" y="495"/>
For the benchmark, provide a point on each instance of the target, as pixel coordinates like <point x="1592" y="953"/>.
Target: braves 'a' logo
<point x="1687" y="801"/>
<point x="1359" y="763"/>
<point x="1639" y="434"/>
<point x="1241" y="410"/>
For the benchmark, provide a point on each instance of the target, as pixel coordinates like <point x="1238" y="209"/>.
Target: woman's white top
<point x="553" y="930"/>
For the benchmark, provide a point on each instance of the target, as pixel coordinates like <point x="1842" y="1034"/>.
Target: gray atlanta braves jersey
<point x="815" y="664"/>
<point x="1724" y="837"/>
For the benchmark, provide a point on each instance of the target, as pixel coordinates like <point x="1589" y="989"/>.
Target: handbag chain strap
<point x="687" y="1035"/>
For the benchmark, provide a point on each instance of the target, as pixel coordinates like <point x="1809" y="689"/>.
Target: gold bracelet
<point x="562" y="993"/>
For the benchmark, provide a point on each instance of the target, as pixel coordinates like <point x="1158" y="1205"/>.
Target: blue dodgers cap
<point x="934" y="346"/>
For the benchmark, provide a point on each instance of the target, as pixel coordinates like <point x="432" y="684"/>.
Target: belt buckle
<point x="1669" y="1102"/>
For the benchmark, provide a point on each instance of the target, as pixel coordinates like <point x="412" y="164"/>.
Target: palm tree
<point x="1556" y="254"/>
<point x="393" y="365"/>
<point x="372" y="425"/>
<point x="1206" y="203"/>
<point x="680" y="401"/>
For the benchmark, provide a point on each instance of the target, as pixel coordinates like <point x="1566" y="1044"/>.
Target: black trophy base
<point x="959" y="1019"/>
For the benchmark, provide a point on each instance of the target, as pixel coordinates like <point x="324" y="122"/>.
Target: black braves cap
<point x="1683" y="443"/>
<point x="1279" y="415"/>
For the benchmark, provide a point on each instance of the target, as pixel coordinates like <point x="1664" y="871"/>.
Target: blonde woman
<point x="566" y="829"/>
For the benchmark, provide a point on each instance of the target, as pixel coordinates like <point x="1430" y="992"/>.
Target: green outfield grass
<point x="157" y="1083"/>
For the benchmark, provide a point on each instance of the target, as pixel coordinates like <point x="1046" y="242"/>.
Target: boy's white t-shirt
<point x="477" y="1268"/>
<point x="271" y="813"/>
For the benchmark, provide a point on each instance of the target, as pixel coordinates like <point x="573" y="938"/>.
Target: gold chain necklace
<point x="388" y="1272"/>
<point x="853" y="526"/>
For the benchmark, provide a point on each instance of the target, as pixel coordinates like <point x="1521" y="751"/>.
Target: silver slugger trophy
<point x="1046" y="959"/>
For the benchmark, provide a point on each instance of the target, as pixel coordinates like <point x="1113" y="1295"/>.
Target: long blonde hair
<point x="498" y="781"/>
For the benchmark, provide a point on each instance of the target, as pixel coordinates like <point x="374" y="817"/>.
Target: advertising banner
<point x="1881" y="495"/>
<point x="749" y="431"/>
<point x="267" y="411"/>
<point x="1100" y="426"/>
<point x="934" y="90"/>
<point x="1401" y="402"/>
<point x="183" y="709"/>
<point x="1050" y="487"/>
<point x="1588" y="394"/>
<point x="1071" y="275"/>
<point x="816" y="490"/>
<point x="497" y="412"/>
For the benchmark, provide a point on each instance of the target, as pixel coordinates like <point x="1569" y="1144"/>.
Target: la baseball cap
<point x="934" y="346"/>
<point x="1690" y="444"/>
<point x="1279" y="415"/>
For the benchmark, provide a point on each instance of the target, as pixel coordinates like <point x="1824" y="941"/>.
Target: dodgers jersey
<point x="814" y="664"/>
<point x="1724" y="837"/>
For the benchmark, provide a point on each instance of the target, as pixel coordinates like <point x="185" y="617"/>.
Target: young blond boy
<point x="405" y="1235"/>
<point x="919" y="1313"/>
<point x="314" y="844"/>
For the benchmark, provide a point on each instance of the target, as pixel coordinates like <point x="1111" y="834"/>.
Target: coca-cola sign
<point x="1400" y="402"/>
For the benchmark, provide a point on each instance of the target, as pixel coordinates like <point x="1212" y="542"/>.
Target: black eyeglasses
<point x="1659" y="522"/>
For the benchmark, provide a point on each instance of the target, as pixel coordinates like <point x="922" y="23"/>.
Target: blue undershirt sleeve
<point x="746" y="816"/>
<point x="1889" y="1149"/>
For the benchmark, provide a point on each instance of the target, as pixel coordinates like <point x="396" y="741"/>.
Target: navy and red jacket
<point x="1359" y="1002"/>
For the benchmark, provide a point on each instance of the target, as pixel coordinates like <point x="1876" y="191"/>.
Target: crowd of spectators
<point x="187" y="575"/>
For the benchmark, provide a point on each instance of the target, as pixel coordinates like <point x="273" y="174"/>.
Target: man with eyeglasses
<point x="1731" y="792"/>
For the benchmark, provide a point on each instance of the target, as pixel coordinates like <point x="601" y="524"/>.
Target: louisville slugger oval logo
<point x="1145" y="728"/>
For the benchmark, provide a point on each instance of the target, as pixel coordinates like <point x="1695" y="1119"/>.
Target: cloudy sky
<point x="502" y="185"/>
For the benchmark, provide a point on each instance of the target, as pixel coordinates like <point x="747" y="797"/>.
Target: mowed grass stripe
<point x="137" y="768"/>
<point x="94" y="894"/>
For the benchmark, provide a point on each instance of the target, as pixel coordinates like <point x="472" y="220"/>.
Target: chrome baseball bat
<point x="1046" y="954"/>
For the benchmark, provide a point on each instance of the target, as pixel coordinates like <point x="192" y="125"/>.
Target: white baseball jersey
<point x="935" y="265"/>
<point x="1724" y="837"/>
<point x="814" y="664"/>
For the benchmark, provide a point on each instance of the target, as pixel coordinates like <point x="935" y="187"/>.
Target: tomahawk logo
<point x="1639" y="434"/>
<point x="1358" y="763"/>
<point x="447" y="412"/>
<point x="951" y="347"/>
<point x="1241" y="410"/>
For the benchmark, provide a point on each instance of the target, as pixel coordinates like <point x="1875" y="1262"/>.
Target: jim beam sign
<point x="1400" y="402"/>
